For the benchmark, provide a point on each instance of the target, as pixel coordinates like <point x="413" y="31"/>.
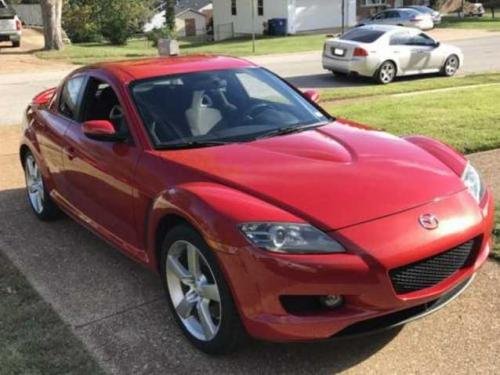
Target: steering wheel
<point x="255" y="110"/>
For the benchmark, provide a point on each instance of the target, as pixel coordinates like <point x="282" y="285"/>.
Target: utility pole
<point x="343" y="16"/>
<point x="253" y="25"/>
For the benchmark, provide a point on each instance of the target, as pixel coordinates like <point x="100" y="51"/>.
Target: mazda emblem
<point x="428" y="221"/>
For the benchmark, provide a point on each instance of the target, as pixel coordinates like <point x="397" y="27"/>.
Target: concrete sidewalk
<point x="118" y="310"/>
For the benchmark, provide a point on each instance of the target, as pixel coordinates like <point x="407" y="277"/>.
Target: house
<point x="234" y="17"/>
<point x="191" y="17"/>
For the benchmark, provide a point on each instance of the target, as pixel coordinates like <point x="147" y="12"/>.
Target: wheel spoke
<point x="38" y="200"/>
<point x="30" y="163"/>
<point x="206" y="321"/>
<point x="210" y="291"/>
<point x="185" y="307"/>
<point x="174" y="266"/>
<point x="193" y="261"/>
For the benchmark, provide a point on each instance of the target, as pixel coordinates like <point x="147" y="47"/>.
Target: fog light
<point x="331" y="301"/>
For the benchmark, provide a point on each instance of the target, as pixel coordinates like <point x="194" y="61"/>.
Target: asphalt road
<point x="302" y="69"/>
<point x="118" y="310"/>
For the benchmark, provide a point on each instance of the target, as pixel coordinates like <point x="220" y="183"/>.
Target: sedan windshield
<point x="216" y="107"/>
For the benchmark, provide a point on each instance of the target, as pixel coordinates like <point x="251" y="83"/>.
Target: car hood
<point x="333" y="176"/>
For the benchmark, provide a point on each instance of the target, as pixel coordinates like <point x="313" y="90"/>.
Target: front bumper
<point x="259" y="279"/>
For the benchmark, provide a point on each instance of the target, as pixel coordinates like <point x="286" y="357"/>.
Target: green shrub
<point x="156" y="34"/>
<point x="120" y="19"/>
<point x="80" y="22"/>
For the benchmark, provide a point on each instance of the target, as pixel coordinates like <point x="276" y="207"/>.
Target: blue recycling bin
<point x="278" y="26"/>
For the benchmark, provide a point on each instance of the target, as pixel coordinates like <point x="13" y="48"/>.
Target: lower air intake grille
<point x="431" y="271"/>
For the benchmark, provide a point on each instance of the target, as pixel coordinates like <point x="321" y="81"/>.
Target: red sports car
<point x="263" y="214"/>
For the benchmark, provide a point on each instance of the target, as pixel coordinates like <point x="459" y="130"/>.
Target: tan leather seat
<point x="200" y="116"/>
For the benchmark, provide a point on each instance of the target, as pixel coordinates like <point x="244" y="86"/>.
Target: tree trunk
<point x="170" y="16"/>
<point x="52" y="29"/>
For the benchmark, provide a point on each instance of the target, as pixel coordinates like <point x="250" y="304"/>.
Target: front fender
<point x="446" y="154"/>
<point x="215" y="211"/>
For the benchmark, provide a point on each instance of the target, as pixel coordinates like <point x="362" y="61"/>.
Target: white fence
<point x="30" y="14"/>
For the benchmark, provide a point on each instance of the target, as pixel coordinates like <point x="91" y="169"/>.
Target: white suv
<point x="10" y="25"/>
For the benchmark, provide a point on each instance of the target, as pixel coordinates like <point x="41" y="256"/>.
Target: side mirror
<point x="437" y="44"/>
<point x="312" y="95"/>
<point x="101" y="130"/>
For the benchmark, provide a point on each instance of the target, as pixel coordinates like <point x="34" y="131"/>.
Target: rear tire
<point x="39" y="200"/>
<point x="450" y="66"/>
<point x="198" y="294"/>
<point x="386" y="72"/>
<point x="16" y="44"/>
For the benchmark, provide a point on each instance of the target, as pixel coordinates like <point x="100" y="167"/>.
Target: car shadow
<point x="117" y="307"/>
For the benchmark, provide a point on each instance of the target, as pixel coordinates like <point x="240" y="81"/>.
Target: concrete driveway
<point x="118" y="310"/>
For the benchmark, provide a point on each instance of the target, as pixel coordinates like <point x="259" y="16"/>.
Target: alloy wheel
<point x="387" y="72"/>
<point x="34" y="184"/>
<point x="193" y="290"/>
<point x="451" y="66"/>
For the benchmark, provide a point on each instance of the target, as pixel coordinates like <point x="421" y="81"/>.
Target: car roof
<point x="383" y="27"/>
<point x="131" y="70"/>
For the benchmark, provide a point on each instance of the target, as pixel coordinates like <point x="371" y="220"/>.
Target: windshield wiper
<point x="291" y="130"/>
<point x="192" y="144"/>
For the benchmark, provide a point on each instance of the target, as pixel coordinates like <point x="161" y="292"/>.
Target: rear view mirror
<point x="101" y="130"/>
<point x="312" y="95"/>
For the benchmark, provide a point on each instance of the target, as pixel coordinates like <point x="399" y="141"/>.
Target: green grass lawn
<point x="408" y="85"/>
<point x="85" y="53"/>
<point x="467" y="119"/>
<point x="33" y="339"/>
<point x="485" y="22"/>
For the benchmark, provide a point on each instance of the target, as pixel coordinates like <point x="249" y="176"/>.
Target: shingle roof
<point x="191" y="4"/>
<point x="182" y="5"/>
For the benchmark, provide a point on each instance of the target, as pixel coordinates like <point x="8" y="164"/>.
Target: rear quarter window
<point x="362" y="35"/>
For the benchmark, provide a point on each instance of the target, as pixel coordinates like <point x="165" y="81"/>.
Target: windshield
<point x="214" y="107"/>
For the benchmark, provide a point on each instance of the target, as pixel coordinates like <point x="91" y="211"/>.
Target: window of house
<point x="68" y="102"/>
<point x="374" y="3"/>
<point x="233" y="8"/>
<point x="260" y="7"/>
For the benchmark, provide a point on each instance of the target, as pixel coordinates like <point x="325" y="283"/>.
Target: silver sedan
<point x="385" y="52"/>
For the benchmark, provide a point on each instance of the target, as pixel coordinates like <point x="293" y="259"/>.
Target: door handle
<point x="69" y="152"/>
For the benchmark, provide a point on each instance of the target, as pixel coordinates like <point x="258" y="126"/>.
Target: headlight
<point x="473" y="182"/>
<point x="290" y="238"/>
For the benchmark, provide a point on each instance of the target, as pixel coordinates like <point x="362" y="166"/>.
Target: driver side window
<point x="101" y="103"/>
<point x="421" y="40"/>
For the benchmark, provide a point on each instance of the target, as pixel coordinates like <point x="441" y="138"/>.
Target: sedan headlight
<point x="473" y="182"/>
<point x="290" y="238"/>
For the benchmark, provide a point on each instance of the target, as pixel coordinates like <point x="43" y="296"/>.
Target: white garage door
<point x="317" y="14"/>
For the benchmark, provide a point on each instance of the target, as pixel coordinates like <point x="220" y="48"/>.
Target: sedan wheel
<point x="198" y="294"/>
<point x="193" y="290"/>
<point x="39" y="200"/>
<point x="34" y="184"/>
<point x="386" y="72"/>
<point x="451" y="66"/>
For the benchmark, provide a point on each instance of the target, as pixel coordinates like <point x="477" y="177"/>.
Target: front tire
<point x="450" y="66"/>
<point x="197" y="293"/>
<point x="16" y="44"/>
<point x="41" y="204"/>
<point x="386" y="73"/>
